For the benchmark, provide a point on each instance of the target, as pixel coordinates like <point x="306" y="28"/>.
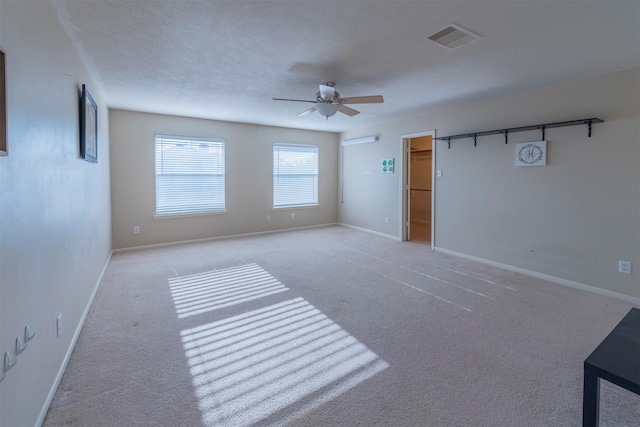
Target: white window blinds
<point x="189" y="175"/>
<point x="295" y="175"/>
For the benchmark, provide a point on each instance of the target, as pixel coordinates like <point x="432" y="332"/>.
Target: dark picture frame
<point x="3" y="103"/>
<point x="88" y="127"/>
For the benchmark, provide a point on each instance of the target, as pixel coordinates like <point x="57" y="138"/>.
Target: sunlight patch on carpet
<point x="212" y="290"/>
<point x="287" y="358"/>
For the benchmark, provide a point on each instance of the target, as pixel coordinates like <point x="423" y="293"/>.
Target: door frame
<point x="404" y="184"/>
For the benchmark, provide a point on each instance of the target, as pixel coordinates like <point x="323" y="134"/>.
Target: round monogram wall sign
<point x="531" y="153"/>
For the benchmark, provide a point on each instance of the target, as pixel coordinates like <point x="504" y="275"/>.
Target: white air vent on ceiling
<point x="453" y="36"/>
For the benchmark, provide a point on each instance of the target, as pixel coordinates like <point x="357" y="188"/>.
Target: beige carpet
<point x="332" y="327"/>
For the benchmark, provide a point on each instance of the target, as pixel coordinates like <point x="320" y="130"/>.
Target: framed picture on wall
<point x="531" y="153"/>
<point x="88" y="127"/>
<point x="3" y="105"/>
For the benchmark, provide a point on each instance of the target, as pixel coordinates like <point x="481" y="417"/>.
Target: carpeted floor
<point x="332" y="327"/>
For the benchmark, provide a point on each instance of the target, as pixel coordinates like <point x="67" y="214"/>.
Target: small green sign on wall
<point x="387" y="165"/>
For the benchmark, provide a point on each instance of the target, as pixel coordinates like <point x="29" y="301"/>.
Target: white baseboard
<point x="366" y="230"/>
<point x="558" y="280"/>
<point x="72" y="345"/>
<point x="209" y="239"/>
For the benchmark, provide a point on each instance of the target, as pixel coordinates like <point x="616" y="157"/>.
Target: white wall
<point x="571" y="220"/>
<point x="248" y="168"/>
<point x="55" y="226"/>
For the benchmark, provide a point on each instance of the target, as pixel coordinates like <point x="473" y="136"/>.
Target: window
<point x="295" y="175"/>
<point x="189" y="175"/>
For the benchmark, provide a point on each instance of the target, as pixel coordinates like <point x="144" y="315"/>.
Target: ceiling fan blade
<point x="307" y="111"/>
<point x="372" y="99"/>
<point x="327" y="92"/>
<point x="294" y="100"/>
<point x="348" y="111"/>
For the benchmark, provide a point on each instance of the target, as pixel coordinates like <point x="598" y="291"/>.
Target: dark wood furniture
<point x="617" y="360"/>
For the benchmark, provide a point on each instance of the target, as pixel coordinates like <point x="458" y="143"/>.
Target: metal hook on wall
<point x="7" y="361"/>
<point x="506" y="136"/>
<point x="475" y="139"/>
<point x="28" y="336"/>
<point x="542" y="128"/>
<point x="7" y="365"/>
<point x="19" y="347"/>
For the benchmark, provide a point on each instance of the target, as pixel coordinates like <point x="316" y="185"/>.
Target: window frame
<point x="190" y="212"/>
<point x="317" y="178"/>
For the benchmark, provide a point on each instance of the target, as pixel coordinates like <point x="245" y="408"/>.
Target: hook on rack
<point x="542" y="128"/>
<point x="28" y="336"/>
<point x="449" y="143"/>
<point x="475" y="139"/>
<point x="7" y="363"/>
<point x="506" y="136"/>
<point x="588" y="122"/>
<point x="19" y="347"/>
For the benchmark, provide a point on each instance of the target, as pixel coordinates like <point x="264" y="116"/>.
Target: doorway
<point x="418" y="189"/>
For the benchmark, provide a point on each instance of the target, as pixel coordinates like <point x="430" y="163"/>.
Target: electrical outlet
<point x="293" y="215"/>
<point x="59" y="324"/>
<point x="624" y="267"/>
<point x="136" y="230"/>
<point x="386" y="220"/>
<point x="439" y="174"/>
<point x="268" y="217"/>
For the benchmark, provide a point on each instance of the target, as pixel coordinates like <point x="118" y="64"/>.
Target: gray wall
<point x="570" y="221"/>
<point x="248" y="180"/>
<point x="55" y="224"/>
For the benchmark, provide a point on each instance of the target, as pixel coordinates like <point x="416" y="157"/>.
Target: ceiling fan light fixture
<point x="328" y="102"/>
<point x="327" y="109"/>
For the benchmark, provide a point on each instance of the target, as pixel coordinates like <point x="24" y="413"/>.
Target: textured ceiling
<point x="225" y="60"/>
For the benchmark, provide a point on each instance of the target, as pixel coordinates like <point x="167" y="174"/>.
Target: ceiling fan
<point x="328" y="102"/>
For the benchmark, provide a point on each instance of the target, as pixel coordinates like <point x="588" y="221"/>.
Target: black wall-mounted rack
<point x="507" y="131"/>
